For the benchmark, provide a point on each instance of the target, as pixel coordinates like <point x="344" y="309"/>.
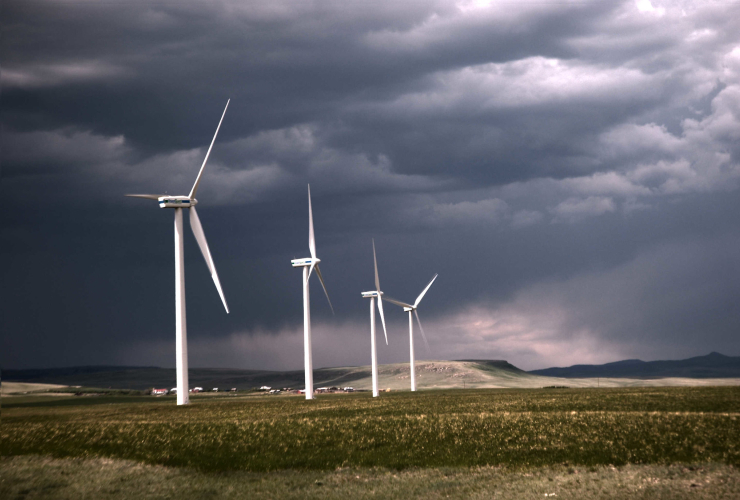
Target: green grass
<point x="515" y="428"/>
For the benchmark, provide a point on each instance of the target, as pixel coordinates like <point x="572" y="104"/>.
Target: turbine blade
<point x="375" y="260"/>
<point x="203" y="244"/>
<point x="311" y="239"/>
<point x="397" y="302"/>
<point x="382" y="318"/>
<point x="421" y="328"/>
<point x="421" y="295"/>
<point x="310" y="270"/>
<point x="321" y="279"/>
<point x="146" y="196"/>
<point x="200" y="173"/>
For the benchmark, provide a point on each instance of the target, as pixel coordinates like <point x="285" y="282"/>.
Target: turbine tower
<point x="178" y="203"/>
<point x="308" y="265"/>
<point x="412" y="308"/>
<point x="371" y="295"/>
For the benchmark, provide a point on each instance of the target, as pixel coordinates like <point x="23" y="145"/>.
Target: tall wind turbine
<point x="308" y="266"/>
<point x="371" y="295"/>
<point x="178" y="203"/>
<point x="412" y="308"/>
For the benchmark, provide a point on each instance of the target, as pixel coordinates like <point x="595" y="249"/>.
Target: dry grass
<point x="22" y="388"/>
<point x="33" y="477"/>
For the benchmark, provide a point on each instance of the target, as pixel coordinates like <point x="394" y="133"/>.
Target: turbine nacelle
<point x="308" y="261"/>
<point x="167" y="201"/>
<point x="373" y="293"/>
<point x="176" y="202"/>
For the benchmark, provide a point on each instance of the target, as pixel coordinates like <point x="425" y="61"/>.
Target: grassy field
<point x="417" y="435"/>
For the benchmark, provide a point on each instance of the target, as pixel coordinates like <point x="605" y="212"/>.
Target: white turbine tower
<point x="412" y="308"/>
<point x="371" y="295"/>
<point x="308" y="265"/>
<point x="178" y="203"/>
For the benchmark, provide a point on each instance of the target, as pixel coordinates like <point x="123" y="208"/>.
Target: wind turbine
<point x="412" y="308"/>
<point x="178" y="203"/>
<point x="371" y="295"/>
<point x="308" y="265"/>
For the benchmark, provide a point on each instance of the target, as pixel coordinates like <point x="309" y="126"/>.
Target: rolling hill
<point x="713" y="365"/>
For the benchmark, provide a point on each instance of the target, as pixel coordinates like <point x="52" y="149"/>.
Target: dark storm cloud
<point x="542" y="157"/>
<point x="282" y="65"/>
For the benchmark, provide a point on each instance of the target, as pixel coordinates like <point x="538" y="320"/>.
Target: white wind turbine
<point x="371" y="295"/>
<point x="178" y="203"/>
<point x="412" y="308"/>
<point x="308" y="265"/>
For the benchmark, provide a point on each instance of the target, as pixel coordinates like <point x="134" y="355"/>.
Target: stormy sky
<point x="570" y="169"/>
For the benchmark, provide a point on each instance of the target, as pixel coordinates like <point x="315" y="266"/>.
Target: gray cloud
<point x="569" y="169"/>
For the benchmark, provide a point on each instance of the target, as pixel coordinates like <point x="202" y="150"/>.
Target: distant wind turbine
<point x="371" y="295"/>
<point x="308" y="266"/>
<point x="412" y="308"/>
<point x="178" y="203"/>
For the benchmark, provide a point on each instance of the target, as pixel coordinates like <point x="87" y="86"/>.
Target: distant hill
<point x="469" y="373"/>
<point x="126" y="377"/>
<point x="430" y="374"/>
<point x="713" y="365"/>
